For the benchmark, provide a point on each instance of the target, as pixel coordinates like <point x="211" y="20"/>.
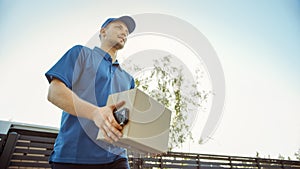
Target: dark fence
<point x="203" y="161"/>
<point x="25" y="146"/>
<point x="28" y="146"/>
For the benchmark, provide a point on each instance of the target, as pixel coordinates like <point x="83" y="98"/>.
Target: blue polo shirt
<point x="90" y="74"/>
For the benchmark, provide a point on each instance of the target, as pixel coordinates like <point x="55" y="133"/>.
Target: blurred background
<point x="257" y="43"/>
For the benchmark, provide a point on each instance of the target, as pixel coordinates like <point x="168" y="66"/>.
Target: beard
<point x="118" y="45"/>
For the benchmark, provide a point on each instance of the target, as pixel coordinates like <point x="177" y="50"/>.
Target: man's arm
<point x="61" y="96"/>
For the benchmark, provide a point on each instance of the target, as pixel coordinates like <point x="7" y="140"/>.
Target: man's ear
<point x="103" y="32"/>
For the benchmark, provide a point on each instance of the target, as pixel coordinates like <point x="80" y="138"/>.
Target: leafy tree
<point x="280" y="157"/>
<point x="257" y="154"/>
<point x="297" y="154"/>
<point x="167" y="84"/>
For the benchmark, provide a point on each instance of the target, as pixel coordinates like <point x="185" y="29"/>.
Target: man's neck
<point x="111" y="51"/>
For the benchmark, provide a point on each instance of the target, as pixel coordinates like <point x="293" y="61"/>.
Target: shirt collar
<point x="106" y="56"/>
<point x="102" y="53"/>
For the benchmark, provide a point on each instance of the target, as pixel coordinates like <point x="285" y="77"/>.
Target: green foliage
<point x="297" y="154"/>
<point x="166" y="83"/>
<point x="257" y="155"/>
<point x="280" y="157"/>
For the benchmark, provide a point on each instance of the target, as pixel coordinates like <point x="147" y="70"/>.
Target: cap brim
<point x="129" y="21"/>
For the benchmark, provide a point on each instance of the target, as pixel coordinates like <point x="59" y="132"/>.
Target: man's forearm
<point x="67" y="100"/>
<point x="61" y="96"/>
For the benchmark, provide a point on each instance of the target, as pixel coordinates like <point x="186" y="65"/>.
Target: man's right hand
<point x="105" y="120"/>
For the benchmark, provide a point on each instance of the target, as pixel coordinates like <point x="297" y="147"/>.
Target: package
<point x="147" y="130"/>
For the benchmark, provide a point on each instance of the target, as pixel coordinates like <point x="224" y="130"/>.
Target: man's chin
<point x="119" y="46"/>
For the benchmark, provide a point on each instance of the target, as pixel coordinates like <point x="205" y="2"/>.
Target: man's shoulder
<point x="126" y="72"/>
<point x="81" y="48"/>
<point x="79" y="51"/>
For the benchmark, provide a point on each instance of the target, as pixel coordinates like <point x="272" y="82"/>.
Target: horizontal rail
<point x="30" y="147"/>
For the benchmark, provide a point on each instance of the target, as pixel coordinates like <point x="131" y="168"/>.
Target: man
<point x="80" y="83"/>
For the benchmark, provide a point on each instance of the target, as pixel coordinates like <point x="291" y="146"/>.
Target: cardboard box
<point x="149" y="121"/>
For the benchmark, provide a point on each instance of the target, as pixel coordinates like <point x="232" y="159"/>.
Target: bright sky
<point x="257" y="43"/>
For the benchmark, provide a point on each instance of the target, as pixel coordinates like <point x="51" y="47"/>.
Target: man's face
<point x="115" y="33"/>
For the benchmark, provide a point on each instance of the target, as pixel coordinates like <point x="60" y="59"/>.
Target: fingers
<point x="109" y="131"/>
<point x="109" y="135"/>
<point x="113" y="120"/>
<point x="106" y="135"/>
<point x="115" y="124"/>
<point x="118" y="105"/>
<point x="112" y="129"/>
<point x="108" y="125"/>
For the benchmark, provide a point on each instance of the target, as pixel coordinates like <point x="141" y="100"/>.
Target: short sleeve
<point x="66" y="68"/>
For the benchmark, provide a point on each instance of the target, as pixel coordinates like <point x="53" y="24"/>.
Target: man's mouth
<point x="122" y="38"/>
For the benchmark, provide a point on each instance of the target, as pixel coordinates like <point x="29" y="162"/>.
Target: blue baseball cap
<point x="129" y="22"/>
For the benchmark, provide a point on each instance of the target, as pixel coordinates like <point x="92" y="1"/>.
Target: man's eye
<point x="120" y="27"/>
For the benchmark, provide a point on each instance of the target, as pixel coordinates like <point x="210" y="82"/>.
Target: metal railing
<point x="203" y="161"/>
<point x="29" y="146"/>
